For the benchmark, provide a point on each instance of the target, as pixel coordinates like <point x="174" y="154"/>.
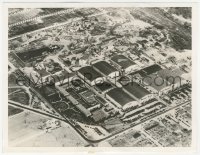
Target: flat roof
<point x="122" y="61"/>
<point x="155" y="81"/>
<point x="89" y="73"/>
<point x="105" y="67"/>
<point x="164" y="73"/>
<point x="136" y="90"/>
<point x="120" y="96"/>
<point x="170" y="76"/>
<point x="178" y="71"/>
<point x="152" y="69"/>
<point x="148" y="70"/>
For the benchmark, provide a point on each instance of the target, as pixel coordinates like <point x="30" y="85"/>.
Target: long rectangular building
<point x="137" y="92"/>
<point x="164" y="81"/>
<point x="121" y="99"/>
<point x="106" y="69"/>
<point x="172" y="77"/>
<point x="90" y="75"/>
<point x="157" y="83"/>
<point x="124" y="63"/>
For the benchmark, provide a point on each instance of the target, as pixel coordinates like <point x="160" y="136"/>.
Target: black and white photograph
<point x="100" y="76"/>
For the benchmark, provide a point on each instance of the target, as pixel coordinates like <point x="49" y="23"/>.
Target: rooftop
<point x="122" y="61"/>
<point x="103" y="86"/>
<point x="136" y="90"/>
<point x="89" y="73"/>
<point x="170" y="76"/>
<point x="155" y="81"/>
<point x="148" y="70"/>
<point x="62" y="76"/>
<point x="152" y="69"/>
<point x="178" y="71"/>
<point x="104" y="67"/>
<point x="120" y="96"/>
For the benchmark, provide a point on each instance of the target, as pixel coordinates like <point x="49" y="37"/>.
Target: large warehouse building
<point x="104" y="87"/>
<point x="137" y="92"/>
<point x="164" y="81"/>
<point x="121" y="99"/>
<point x="106" y="69"/>
<point x="173" y="78"/>
<point x="124" y="63"/>
<point x="157" y="84"/>
<point x="90" y="75"/>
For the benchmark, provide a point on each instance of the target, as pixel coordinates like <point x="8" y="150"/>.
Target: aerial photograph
<point x="100" y="77"/>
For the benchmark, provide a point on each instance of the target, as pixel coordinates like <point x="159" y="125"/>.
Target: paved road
<point x="16" y="104"/>
<point x="120" y="132"/>
<point x="97" y="141"/>
<point x="48" y="104"/>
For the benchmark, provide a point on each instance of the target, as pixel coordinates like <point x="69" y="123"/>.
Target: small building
<point x="137" y="92"/>
<point x="121" y="99"/>
<point x="124" y="64"/>
<point x="90" y="75"/>
<point x="106" y="69"/>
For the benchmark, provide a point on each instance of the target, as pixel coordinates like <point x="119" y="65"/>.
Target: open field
<point x="24" y="130"/>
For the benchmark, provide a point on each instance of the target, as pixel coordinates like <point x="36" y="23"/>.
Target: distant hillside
<point x="186" y="12"/>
